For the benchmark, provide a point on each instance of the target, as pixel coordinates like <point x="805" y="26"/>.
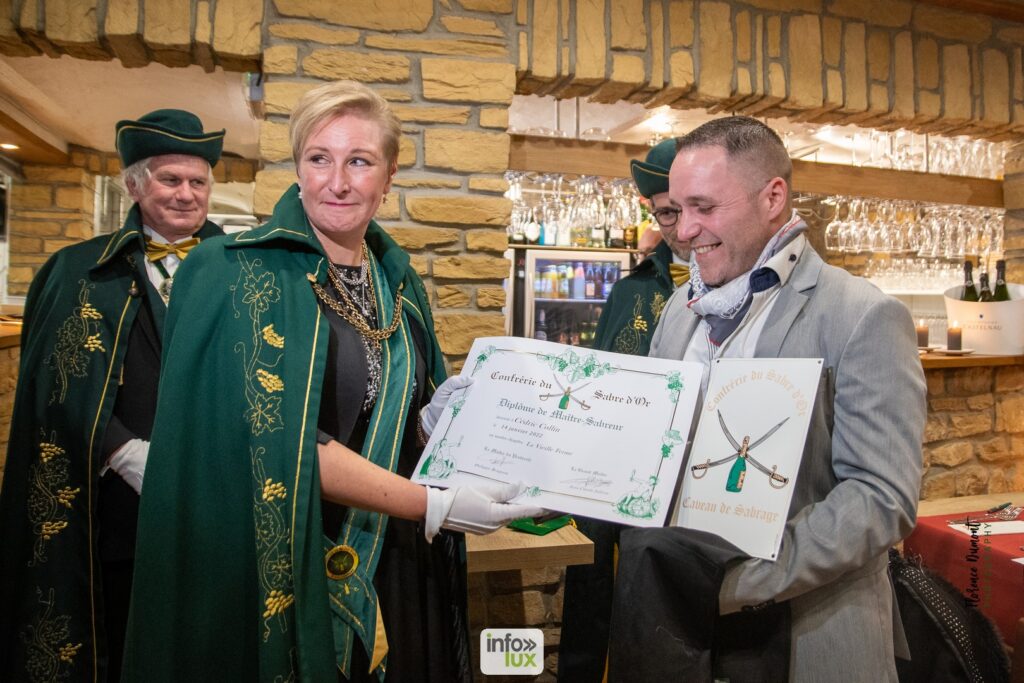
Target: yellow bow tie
<point x="680" y="274"/>
<point x="158" y="250"/>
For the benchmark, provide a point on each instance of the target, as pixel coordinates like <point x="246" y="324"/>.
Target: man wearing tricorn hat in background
<point x="626" y="326"/>
<point x="84" y="410"/>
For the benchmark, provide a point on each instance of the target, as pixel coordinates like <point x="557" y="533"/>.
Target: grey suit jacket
<point x="859" y="482"/>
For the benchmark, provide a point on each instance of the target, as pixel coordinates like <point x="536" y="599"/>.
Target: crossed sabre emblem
<point x="566" y="395"/>
<point x="742" y="455"/>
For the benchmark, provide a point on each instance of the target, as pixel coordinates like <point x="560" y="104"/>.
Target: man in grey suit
<point x="758" y="289"/>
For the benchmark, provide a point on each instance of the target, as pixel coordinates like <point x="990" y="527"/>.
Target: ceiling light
<point x="661" y="123"/>
<point x="8" y="146"/>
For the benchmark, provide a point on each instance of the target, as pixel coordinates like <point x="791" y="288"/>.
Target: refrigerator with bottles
<point x="558" y="293"/>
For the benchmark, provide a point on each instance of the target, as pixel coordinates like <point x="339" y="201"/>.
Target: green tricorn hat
<point x="167" y="131"/>
<point x="651" y="174"/>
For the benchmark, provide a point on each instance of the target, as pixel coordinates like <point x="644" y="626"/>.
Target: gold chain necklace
<point x="347" y="308"/>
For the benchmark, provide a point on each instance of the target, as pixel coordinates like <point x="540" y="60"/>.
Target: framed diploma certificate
<point x="592" y="433"/>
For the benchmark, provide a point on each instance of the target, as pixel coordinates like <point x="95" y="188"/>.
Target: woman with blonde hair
<point x="279" y="536"/>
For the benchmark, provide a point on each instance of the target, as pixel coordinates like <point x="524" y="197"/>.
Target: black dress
<point x="421" y="587"/>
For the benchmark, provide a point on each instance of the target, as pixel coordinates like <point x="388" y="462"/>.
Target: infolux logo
<point x="505" y="651"/>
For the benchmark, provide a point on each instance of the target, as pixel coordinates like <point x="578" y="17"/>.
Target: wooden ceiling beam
<point x="998" y="9"/>
<point x="32" y="149"/>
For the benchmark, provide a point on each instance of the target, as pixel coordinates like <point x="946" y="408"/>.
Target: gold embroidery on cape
<point x="274" y="566"/>
<point x="258" y="292"/>
<point x="50" y="496"/>
<point x="272" y="337"/>
<point x="254" y="292"/>
<point x="269" y="380"/>
<point x="657" y="306"/>
<point x="629" y="338"/>
<point x="50" y="656"/>
<point x="81" y="330"/>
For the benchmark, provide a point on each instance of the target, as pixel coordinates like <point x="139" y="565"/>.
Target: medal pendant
<point x="165" y="289"/>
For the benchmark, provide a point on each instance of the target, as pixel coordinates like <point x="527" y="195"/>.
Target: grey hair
<point x="138" y="174"/>
<point x="746" y="139"/>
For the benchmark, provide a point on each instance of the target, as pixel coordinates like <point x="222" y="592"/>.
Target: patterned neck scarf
<point x="723" y="308"/>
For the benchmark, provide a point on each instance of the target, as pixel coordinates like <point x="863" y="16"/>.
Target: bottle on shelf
<point x="616" y="234"/>
<point x="551" y="289"/>
<point x="564" y="280"/>
<point x="598" y="235"/>
<point x="579" y="281"/>
<point x="629" y="237"/>
<point x="599" y="280"/>
<point x="1002" y="292"/>
<point x="540" y="330"/>
<point x="970" y="292"/>
<point x="984" y="293"/>
<point x="611" y="277"/>
<point x="532" y="232"/>
<point x="588" y="281"/>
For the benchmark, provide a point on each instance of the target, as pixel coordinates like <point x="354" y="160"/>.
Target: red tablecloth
<point x="980" y="566"/>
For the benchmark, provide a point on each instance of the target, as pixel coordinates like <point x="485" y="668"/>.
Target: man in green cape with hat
<point x="626" y="326"/>
<point x="84" y="409"/>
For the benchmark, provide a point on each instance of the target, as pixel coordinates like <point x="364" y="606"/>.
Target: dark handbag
<point x="949" y="639"/>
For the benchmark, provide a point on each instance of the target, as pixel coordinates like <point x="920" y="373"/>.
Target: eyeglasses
<point x="667" y="216"/>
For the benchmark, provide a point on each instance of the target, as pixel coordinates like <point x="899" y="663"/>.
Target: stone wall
<point x="531" y="598"/>
<point x="974" y="439"/>
<point x="52" y="209"/>
<point x="1013" y="200"/>
<point x="880" y="63"/>
<point x="210" y="33"/>
<point x="450" y="76"/>
<point x="9" y="358"/>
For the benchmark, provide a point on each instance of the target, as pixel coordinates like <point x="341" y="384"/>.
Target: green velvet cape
<point x="230" y="581"/>
<point x="633" y="308"/>
<point x="78" y="315"/>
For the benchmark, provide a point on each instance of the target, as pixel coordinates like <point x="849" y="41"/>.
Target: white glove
<point x="475" y="510"/>
<point x="129" y="461"/>
<point x="432" y="411"/>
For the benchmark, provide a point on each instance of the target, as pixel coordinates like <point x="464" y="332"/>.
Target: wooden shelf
<point x="509" y="549"/>
<point x="582" y="157"/>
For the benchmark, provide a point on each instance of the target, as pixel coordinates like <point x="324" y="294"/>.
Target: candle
<point x="954" y="336"/>
<point x="922" y="333"/>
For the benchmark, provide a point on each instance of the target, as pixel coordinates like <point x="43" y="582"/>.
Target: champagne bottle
<point x="985" y="294"/>
<point x="1002" y="292"/>
<point x="970" y="292"/>
<point x="737" y="473"/>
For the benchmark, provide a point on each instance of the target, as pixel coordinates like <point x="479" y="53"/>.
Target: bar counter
<point x="935" y="361"/>
<point x="10" y="334"/>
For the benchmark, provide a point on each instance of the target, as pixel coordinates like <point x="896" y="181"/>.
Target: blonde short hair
<point x="323" y="103"/>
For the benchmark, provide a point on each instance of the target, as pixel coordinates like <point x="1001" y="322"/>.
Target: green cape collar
<point x="289" y="223"/>
<point x="131" y="233"/>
